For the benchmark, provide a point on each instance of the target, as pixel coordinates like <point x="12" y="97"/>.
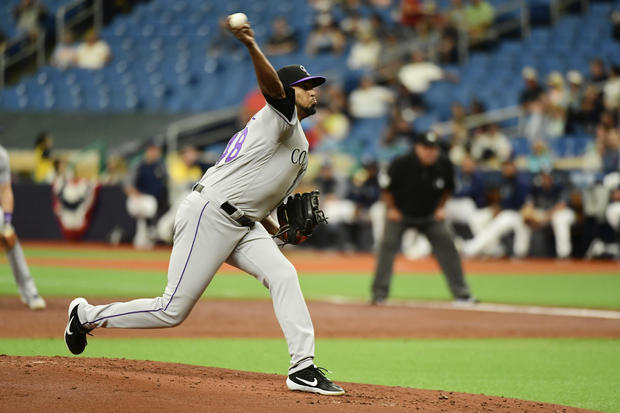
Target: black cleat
<point x="75" y="333"/>
<point x="313" y="380"/>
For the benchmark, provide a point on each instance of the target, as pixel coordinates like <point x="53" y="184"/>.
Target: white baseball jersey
<point x="261" y="164"/>
<point x="5" y="171"/>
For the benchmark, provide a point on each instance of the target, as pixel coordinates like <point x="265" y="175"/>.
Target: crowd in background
<point x="515" y="206"/>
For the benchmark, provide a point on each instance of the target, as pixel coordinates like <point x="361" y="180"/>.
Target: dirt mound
<point x="61" y="384"/>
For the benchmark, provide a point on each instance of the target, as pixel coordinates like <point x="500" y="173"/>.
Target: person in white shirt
<point x="369" y="100"/>
<point x="93" y="53"/>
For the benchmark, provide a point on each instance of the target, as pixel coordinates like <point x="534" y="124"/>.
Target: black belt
<point x="230" y="210"/>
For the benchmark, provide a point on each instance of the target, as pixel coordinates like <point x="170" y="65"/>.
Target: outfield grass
<point x="575" y="372"/>
<point x="570" y="290"/>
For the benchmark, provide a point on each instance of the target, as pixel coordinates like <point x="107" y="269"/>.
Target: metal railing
<point x="200" y="129"/>
<point x="521" y="21"/>
<point x="74" y="13"/>
<point x="25" y="48"/>
<point x="557" y="8"/>
<point x="445" y="129"/>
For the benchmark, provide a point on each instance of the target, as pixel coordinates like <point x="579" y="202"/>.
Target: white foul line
<point x="494" y="308"/>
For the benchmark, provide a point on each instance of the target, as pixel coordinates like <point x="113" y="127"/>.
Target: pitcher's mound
<point x="62" y="384"/>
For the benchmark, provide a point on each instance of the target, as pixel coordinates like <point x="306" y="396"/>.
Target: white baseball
<point x="237" y="20"/>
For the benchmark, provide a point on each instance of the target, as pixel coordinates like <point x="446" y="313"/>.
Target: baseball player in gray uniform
<point x="226" y="218"/>
<point x="8" y="239"/>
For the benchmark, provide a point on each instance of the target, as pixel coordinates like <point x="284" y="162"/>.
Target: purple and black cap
<point x="294" y="74"/>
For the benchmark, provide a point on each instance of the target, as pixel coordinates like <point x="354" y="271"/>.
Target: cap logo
<point x="304" y="70"/>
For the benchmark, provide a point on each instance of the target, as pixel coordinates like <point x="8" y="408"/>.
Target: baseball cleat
<point x="36" y="303"/>
<point x="75" y="333"/>
<point x="313" y="380"/>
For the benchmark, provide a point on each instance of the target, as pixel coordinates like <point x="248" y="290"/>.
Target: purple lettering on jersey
<point x="236" y="148"/>
<point x="223" y="155"/>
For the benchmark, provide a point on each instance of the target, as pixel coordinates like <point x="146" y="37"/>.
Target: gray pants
<point x="204" y="238"/>
<point x="23" y="279"/>
<point x="443" y="250"/>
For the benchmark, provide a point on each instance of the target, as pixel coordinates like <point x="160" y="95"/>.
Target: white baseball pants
<point x="205" y="237"/>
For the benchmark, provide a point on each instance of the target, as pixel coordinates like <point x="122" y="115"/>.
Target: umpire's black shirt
<point x="417" y="189"/>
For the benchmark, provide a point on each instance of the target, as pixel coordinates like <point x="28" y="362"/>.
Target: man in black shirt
<point x="415" y="189"/>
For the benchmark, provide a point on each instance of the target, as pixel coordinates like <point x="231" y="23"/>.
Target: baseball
<point x="237" y="20"/>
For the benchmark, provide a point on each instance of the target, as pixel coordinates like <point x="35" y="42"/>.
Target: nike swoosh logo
<point x="68" y="329"/>
<point x="309" y="383"/>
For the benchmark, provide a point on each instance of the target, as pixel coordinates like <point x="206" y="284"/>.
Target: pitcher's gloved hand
<point x="298" y="217"/>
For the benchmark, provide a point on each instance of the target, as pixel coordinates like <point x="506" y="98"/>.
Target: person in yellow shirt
<point x="184" y="171"/>
<point x="44" y="163"/>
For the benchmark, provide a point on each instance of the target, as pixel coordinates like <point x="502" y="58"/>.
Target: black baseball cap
<point x="294" y="74"/>
<point x="428" y="139"/>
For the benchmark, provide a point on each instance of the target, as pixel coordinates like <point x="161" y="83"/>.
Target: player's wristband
<point x="8" y="216"/>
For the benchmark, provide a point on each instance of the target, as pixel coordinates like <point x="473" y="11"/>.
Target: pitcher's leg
<point x="23" y="279"/>
<point x="190" y="271"/>
<point x="261" y="258"/>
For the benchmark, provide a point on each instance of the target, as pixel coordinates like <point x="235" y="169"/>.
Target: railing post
<point x="2" y="70"/>
<point x="525" y="20"/>
<point x="98" y="15"/>
<point x="60" y="23"/>
<point x="41" y="50"/>
<point x="463" y="45"/>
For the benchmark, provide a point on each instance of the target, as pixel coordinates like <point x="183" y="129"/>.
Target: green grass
<point x="575" y="372"/>
<point x="570" y="290"/>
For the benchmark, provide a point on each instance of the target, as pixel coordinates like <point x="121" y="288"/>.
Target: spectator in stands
<point x="370" y="100"/>
<point x="502" y="217"/>
<point x="608" y="144"/>
<point x="94" y="53"/>
<point x="325" y="38"/>
<point x="30" y="18"/>
<point x="419" y="73"/>
<point x="283" y="38"/>
<point x="591" y="108"/>
<point x="364" y="53"/>
<point x="185" y="170"/>
<point x="469" y="195"/>
<point x="615" y="24"/>
<point x="3" y="41"/>
<point x="353" y="24"/>
<point x="556" y="91"/>
<point x="540" y="158"/>
<point x="479" y="15"/>
<point x="411" y="13"/>
<point x="65" y="52"/>
<point x="378" y="26"/>
<point x="339" y="210"/>
<point x="574" y="100"/>
<point x="490" y="147"/>
<point x="44" y="171"/>
<point x="364" y="192"/>
<point x="598" y="73"/>
<point x="546" y="202"/>
<point x="147" y="194"/>
<point x="533" y="90"/>
<point x="611" y="89"/>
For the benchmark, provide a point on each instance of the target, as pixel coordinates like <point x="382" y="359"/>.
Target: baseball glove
<point x="7" y="237"/>
<point x="298" y="217"/>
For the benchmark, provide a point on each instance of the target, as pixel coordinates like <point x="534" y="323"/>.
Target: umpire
<point x="415" y="188"/>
